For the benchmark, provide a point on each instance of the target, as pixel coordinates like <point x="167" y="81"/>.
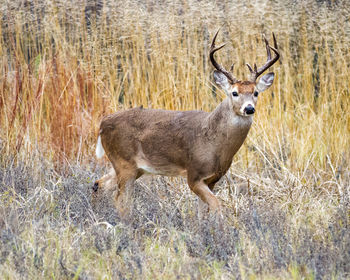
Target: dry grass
<point x="64" y="65"/>
<point x="49" y="230"/>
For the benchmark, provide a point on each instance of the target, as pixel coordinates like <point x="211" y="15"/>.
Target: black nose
<point x="249" y="110"/>
<point x="95" y="187"/>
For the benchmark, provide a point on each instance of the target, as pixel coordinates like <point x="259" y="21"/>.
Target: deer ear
<point x="265" y="82"/>
<point x="221" y="80"/>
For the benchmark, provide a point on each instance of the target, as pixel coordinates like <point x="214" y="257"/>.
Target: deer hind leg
<point x="103" y="186"/>
<point x="105" y="181"/>
<point x="127" y="173"/>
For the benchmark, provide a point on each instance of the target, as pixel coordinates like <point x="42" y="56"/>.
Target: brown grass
<point x="59" y="76"/>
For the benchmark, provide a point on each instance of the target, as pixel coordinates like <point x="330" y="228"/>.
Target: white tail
<point x="196" y="144"/>
<point x="99" y="149"/>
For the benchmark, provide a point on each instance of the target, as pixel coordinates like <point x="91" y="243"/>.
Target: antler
<point x="257" y="72"/>
<point x="218" y="67"/>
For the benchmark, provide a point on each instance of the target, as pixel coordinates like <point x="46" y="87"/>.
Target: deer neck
<point x="228" y="128"/>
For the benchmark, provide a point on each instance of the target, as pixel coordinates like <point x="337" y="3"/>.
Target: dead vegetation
<point x="49" y="228"/>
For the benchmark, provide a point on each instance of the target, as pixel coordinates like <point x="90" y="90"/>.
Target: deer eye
<point x="235" y="93"/>
<point x="256" y="93"/>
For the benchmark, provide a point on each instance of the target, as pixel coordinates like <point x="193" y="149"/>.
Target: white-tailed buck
<point x="195" y="144"/>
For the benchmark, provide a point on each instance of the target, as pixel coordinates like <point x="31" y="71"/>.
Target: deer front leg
<point x="203" y="209"/>
<point x="205" y="194"/>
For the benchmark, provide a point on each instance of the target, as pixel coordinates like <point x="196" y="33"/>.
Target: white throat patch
<point x="242" y="121"/>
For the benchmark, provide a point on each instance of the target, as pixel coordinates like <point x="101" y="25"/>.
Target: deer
<point x="195" y="144"/>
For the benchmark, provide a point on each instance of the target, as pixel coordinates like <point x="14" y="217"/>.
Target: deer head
<point x="244" y="94"/>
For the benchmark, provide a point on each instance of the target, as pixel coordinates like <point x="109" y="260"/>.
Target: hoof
<point x="95" y="187"/>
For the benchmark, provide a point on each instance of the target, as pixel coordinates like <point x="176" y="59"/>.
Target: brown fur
<point x="245" y="87"/>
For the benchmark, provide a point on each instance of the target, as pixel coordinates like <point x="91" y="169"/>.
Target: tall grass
<point x="64" y="65"/>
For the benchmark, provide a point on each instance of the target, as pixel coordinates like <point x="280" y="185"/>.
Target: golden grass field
<point x="66" y="64"/>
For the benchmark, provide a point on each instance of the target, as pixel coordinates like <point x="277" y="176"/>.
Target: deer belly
<point x="159" y="169"/>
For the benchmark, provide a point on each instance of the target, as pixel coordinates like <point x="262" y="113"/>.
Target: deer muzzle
<point x="249" y="110"/>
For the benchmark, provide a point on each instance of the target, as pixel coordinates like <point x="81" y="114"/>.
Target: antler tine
<point x="270" y="61"/>
<point x="250" y="68"/>
<point x="217" y="66"/>
<point x="274" y="41"/>
<point x="267" y="47"/>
